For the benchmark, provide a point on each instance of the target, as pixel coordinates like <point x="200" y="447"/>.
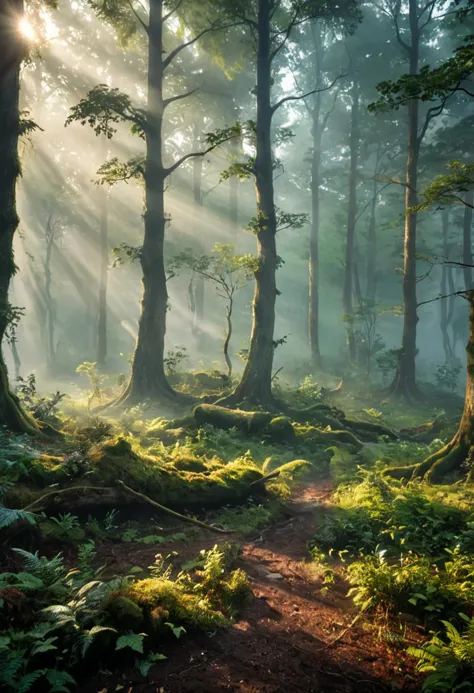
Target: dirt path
<point x="283" y="641"/>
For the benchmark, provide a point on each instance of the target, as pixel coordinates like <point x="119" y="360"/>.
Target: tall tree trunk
<point x="256" y="382"/>
<point x="12" y="53"/>
<point x="445" y="316"/>
<point x="404" y="384"/>
<point x="103" y="277"/>
<point x="372" y="245"/>
<point x="347" y="298"/>
<point x="148" y="380"/>
<point x="316" y="134"/>
<point x="198" y="280"/>
<point x="234" y="183"/>
<point x="313" y="316"/>
<point x="467" y="241"/>
<point x="51" y="351"/>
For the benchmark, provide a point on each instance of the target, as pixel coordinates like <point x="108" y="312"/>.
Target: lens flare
<point x="27" y="29"/>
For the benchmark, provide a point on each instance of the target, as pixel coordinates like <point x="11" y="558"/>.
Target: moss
<point x="281" y="430"/>
<point x="235" y="591"/>
<point x="44" y="470"/>
<point x="168" y="485"/>
<point x="125" y="613"/>
<point x="189" y="464"/>
<point x="20" y="496"/>
<point x="220" y="417"/>
<point x="167" y="436"/>
<point x="183" y="608"/>
<point x="210" y="381"/>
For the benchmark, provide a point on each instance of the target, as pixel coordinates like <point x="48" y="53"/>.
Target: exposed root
<point x="184" y="518"/>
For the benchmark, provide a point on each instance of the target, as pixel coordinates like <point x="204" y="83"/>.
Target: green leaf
<point x="132" y="640"/>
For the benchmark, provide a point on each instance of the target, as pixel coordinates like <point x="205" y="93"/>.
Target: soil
<point x="297" y="634"/>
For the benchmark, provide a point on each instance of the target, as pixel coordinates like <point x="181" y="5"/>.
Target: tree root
<point x="436" y="466"/>
<point x="185" y="518"/>
<point x="369" y="428"/>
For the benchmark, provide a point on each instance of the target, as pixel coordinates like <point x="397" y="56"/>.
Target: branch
<point x="328" y="113"/>
<point x="171" y="12"/>
<point x="286" y="36"/>
<point x="429" y="6"/>
<point x="143" y="24"/>
<point x="145" y="499"/>
<point x="185" y="95"/>
<point x="194" y="155"/>
<point x="213" y="27"/>
<point x="433" y="112"/>
<point x="372" y="199"/>
<point x="304" y="96"/>
<point x="400" y="40"/>
<point x="439" y="298"/>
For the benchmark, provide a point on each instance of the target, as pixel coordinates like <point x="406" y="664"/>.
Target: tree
<point x="458" y="454"/>
<point x="102" y="109"/>
<point x="351" y="224"/>
<point x="270" y="26"/>
<point x="419" y="18"/>
<point x="228" y="273"/>
<point x="14" y="51"/>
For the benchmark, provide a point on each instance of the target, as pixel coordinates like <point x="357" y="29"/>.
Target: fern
<point x="48" y="570"/>
<point x="59" y="681"/>
<point x="8" y="516"/>
<point x="450" y="662"/>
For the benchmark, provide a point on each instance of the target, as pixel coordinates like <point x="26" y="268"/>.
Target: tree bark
<point x="372" y="244"/>
<point x="13" y="52"/>
<point x="347" y="297"/>
<point x="148" y="379"/>
<point x="234" y="184"/>
<point x="256" y="382"/>
<point x="198" y="284"/>
<point x="103" y="204"/>
<point x="457" y="456"/>
<point x="445" y="304"/>
<point x="467" y="241"/>
<point x="316" y="133"/>
<point x="404" y="384"/>
<point x="49" y="302"/>
<point x="228" y="336"/>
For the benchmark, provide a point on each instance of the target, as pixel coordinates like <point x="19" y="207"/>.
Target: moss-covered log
<point x="220" y="417"/>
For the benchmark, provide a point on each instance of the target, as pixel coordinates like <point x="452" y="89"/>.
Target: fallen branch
<point x="59" y="493"/>
<point x="163" y="508"/>
<point x="264" y="479"/>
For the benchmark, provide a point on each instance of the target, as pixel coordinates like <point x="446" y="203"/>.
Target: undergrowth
<point x="410" y="551"/>
<point x="58" y="623"/>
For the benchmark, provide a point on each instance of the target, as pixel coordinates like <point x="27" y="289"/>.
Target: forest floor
<point x="348" y="568"/>
<point x="295" y="635"/>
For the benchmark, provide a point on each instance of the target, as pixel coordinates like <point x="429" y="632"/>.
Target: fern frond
<point x="8" y="516"/>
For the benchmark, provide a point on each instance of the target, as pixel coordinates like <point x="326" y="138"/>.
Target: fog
<point x="60" y="200"/>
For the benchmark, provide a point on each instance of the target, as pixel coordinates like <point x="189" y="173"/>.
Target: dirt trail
<point x="283" y="641"/>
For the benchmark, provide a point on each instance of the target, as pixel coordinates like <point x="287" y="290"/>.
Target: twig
<point x="341" y="635"/>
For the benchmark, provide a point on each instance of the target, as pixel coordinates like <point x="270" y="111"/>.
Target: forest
<point x="236" y="346"/>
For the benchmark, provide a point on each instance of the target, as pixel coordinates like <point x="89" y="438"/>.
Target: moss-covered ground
<point x="298" y="511"/>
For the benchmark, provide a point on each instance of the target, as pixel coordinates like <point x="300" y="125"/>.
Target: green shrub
<point x="413" y="584"/>
<point x="448" y="659"/>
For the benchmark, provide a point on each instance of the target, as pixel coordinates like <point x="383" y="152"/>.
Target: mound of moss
<point x="167" y="484"/>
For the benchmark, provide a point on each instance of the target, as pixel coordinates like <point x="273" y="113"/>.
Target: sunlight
<point x="27" y="30"/>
